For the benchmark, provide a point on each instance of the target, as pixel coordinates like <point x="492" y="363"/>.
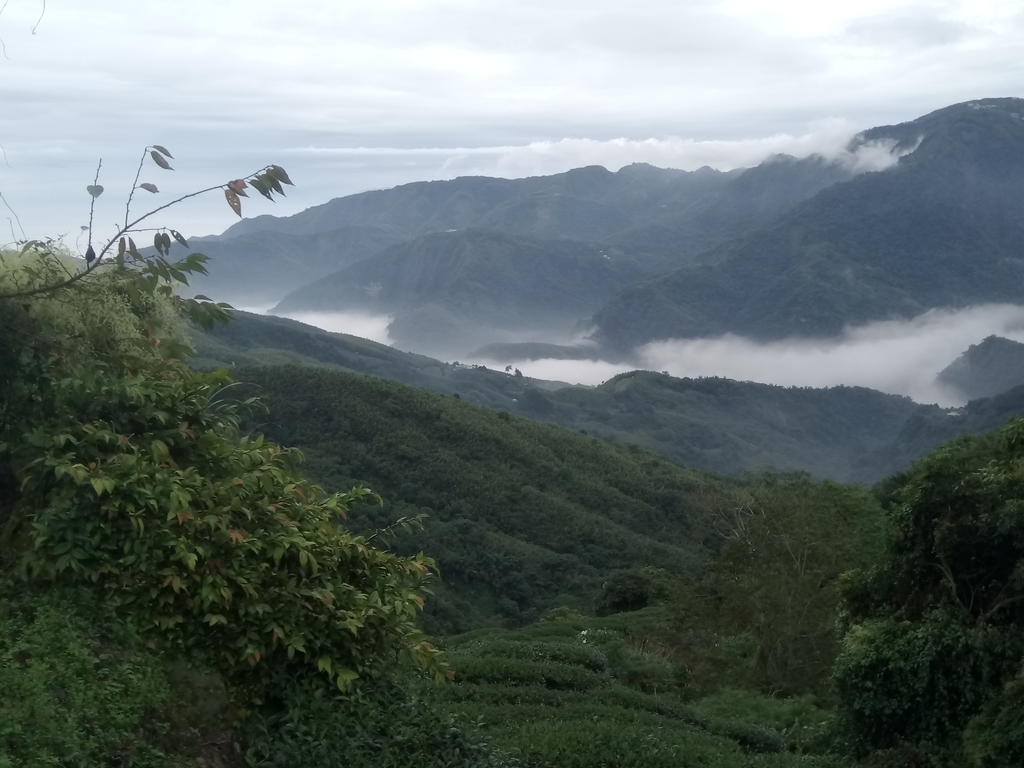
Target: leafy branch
<point x="268" y="181"/>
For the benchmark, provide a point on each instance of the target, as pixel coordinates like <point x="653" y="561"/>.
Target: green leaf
<point x="159" y="160"/>
<point x="149" y="187"/>
<point x="262" y="188"/>
<point x="280" y="174"/>
<point x="177" y="236"/>
<point x="346" y="677"/>
<point x="162" y="151"/>
<point x="95" y="190"/>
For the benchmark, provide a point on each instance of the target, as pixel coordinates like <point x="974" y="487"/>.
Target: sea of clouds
<point x="897" y="356"/>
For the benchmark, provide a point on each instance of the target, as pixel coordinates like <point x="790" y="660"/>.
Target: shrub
<point x="77" y="691"/>
<point x="377" y="725"/>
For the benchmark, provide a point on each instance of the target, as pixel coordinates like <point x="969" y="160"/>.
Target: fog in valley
<point x="898" y="356"/>
<point x="372" y="327"/>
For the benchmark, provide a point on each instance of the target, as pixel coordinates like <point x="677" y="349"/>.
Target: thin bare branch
<point x="41" y="14"/>
<point x="135" y="185"/>
<point x="92" y="203"/>
<point x="14" y="214"/>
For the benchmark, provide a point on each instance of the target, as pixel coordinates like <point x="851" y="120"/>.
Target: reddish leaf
<point x="233" y="201"/>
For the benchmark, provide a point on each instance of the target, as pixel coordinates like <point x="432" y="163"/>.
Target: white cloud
<point x="229" y="86"/>
<point x="901" y="357"/>
<point x="372" y="327"/>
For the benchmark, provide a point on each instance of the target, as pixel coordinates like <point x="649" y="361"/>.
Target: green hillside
<point x="943" y="228"/>
<point x="930" y="426"/>
<point x="524" y="515"/>
<point x="714" y="424"/>
<point x="850" y="434"/>
<point x="264" y="340"/>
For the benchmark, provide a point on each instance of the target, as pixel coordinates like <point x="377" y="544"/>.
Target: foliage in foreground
<point x="124" y="474"/>
<point x="138" y="485"/>
<point x="78" y="691"/>
<point x="931" y="663"/>
<point x="379" y="724"/>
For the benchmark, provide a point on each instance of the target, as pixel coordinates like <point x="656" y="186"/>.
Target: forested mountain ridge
<point x="257" y="268"/>
<point x="415" y="209"/>
<point x="454" y="291"/>
<point x="991" y="367"/>
<point x="662" y="217"/>
<point x="944" y="227"/>
<point x="681" y="230"/>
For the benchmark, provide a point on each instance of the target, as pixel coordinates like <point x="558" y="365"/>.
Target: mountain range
<point x="793" y="247"/>
<point x="789" y="248"/>
<point x="943" y="227"/>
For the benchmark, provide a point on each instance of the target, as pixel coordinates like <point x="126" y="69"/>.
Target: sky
<point x="349" y="96"/>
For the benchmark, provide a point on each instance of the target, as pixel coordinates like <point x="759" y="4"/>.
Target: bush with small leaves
<point x="139" y="485"/>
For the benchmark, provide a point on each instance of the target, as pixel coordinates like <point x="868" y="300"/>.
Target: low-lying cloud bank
<point x="900" y="356"/>
<point x="372" y="327"/>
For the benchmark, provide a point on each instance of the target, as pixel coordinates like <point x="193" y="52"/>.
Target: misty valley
<point x="598" y="469"/>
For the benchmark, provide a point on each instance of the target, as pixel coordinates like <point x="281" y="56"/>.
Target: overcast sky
<point x="351" y="96"/>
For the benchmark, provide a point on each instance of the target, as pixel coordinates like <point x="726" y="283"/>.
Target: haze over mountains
<point x="635" y="266"/>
